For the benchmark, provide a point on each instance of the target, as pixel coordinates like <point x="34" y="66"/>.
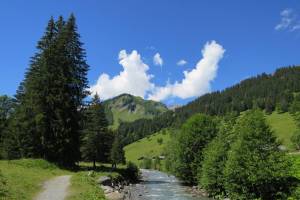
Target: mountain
<point x="128" y="108"/>
<point x="269" y="92"/>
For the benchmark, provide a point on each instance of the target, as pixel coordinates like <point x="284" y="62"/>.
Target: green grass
<point x="24" y="179"/>
<point x="85" y="187"/>
<point x="147" y="147"/>
<point x="284" y="126"/>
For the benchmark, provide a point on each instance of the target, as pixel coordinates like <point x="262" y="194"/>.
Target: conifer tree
<point x="95" y="133"/>
<point x="117" y="154"/>
<point x="48" y="115"/>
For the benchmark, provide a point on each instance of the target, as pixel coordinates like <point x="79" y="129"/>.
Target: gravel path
<point x="55" y="189"/>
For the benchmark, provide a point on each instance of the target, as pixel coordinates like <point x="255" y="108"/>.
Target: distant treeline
<point x="266" y="92"/>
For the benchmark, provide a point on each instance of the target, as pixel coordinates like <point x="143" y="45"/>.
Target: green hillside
<point x="128" y="108"/>
<point x="283" y="125"/>
<point x="146" y="147"/>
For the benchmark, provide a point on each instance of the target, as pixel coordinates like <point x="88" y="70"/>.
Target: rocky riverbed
<point x="154" y="185"/>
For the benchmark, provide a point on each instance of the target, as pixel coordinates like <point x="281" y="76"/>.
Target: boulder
<point x="104" y="180"/>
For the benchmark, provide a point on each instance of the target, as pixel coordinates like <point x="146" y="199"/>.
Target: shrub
<point x="132" y="172"/>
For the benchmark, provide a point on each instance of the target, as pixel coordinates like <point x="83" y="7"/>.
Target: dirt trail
<point x="55" y="189"/>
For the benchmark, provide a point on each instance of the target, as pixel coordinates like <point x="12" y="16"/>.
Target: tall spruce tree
<point x="95" y="134"/>
<point x="48" y="115"/>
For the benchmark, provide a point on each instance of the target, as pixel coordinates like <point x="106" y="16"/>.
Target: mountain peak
<point x="127" y="108"/>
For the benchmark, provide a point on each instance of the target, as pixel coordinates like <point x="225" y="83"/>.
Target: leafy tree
<point x="215" y="157"/>
<point x="194" y="136"/>
<point x="256" y="168"/>
<point x="94" y="133"/>
<point x="117" y="154"/>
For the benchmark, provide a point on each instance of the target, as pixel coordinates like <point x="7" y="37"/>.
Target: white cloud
<point x="289" y="21"/>
<point x="134" y="78"/>
<point x="181" y="62"/>
<point x="157" y="60"/>
<point x="197" y="81"/>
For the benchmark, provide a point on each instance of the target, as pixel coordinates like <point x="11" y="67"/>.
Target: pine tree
<point x="48" y="115"/>
<point x="95" y="133"/>
<point x="117" y="154"/>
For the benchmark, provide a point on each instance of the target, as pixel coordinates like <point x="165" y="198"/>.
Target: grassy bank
<point x="23" y="179"/>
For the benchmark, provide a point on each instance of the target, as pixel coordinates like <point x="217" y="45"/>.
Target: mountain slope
<point x="266" y="92"/>
<point x="128" y="108"/>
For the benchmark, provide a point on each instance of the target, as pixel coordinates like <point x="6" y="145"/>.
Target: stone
<point x="104" y="180"/>
<point x="107" y="189"/>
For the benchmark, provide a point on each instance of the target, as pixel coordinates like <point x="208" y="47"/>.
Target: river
<point x="157" y="185"/>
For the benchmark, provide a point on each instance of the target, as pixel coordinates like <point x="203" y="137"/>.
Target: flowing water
<point x="157" y="185"/>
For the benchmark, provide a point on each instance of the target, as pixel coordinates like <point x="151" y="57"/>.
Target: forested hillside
<point x="128" y="108"/>
<point x="266" y="91"/>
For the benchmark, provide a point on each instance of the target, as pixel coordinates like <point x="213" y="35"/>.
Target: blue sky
<point x="251" y="37"/>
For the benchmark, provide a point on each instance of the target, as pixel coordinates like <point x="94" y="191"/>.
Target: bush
<point x="132" y="172"/>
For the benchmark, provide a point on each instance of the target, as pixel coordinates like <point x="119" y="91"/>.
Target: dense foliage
<point x="215" y="157"/>
<point x="193" y="137"/>
<point x="256" y="167"/>
<point x="239" y="159"/>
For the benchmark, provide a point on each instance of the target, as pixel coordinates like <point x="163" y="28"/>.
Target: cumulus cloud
<point x="289" y="20"/>
<point x="181" y="62"/>
<point x="134" y="78"/>
<point x="197" y="81"/>
<point x="157" y="60"/>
